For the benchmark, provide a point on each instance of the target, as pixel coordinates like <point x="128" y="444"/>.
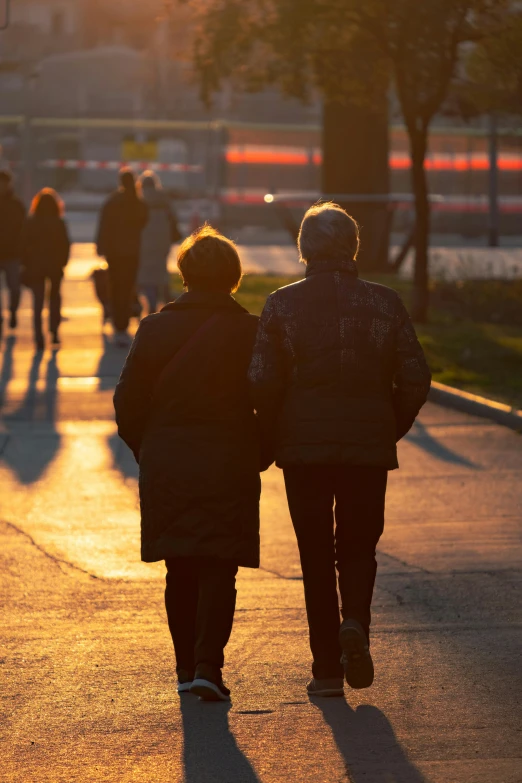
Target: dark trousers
<point x="123" y="271"/>
<point x="55" y="302"/>
<point x="11" y="271"/>
<point x="358" y="494"/>
<point x="200" y="598"/>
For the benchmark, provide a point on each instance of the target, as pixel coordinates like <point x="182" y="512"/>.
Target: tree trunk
<point x="420" y="301"/>
<point x="355" y="161"/>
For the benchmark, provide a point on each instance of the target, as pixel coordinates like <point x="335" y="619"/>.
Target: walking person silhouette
<point x="122" y="220"/>
<point x="12" y="219"/>
<point x="183" y="407"/>
<point x="46" y="248"/>
<point x="338" y="376"/>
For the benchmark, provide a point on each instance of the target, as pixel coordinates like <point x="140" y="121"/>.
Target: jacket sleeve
<point x="19" y="227"/>
<point x="101" y="234"/>
<point x="267" y="376"/>
<point x="133" y="393"/>
<point x="412" y="377"/>
<point x="65" y="243"/>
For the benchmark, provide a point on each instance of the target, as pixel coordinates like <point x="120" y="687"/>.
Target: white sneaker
<point x="209" y="691"/>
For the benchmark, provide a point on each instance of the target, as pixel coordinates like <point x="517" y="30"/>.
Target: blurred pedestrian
<point x="160" y="232"/>
<point x="339" y="377"/>
<point x="46" y="249"/>
<point x="12" y="219"/>
<point x="122" y="220"/>
<point x="183" y="407"/>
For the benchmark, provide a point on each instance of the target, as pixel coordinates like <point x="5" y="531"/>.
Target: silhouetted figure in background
<point x="122" y="220"/>
<point x="339" y="377"/>
<point x="46" y="249"/>
<point x="156" y="240"/>
<point x="12" y="218"/>
<point x="183" y="407"/>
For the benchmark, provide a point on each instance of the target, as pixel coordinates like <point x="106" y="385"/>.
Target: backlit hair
<point x="328" y="232"/>
<point x="47" y="202"/>
<point x="208" y="261"/>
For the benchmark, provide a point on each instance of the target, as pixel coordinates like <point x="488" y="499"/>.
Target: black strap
<point x="170" y="370"/>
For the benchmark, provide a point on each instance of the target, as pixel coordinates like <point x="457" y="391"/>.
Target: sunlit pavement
<point x="86" y="667"/>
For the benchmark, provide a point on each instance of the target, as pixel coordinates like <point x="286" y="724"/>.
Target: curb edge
<point x="473" y="404"/>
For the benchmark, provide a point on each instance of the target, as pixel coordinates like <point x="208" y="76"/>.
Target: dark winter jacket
<point x="12" y="219"/>
<point x="337" y="371"/>
<point x="122" y="220"/>
<point x="195" y="437"/>
<point x="46" y="246"/>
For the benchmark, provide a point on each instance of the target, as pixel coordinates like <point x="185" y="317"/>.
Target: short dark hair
<point x="328" y="232"/>
<point x="127" y="179"/>
<point x="208" y="261"/>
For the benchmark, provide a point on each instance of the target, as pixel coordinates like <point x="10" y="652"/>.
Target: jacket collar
<point x="345" y="266"/>
<point x="207" y="300"/>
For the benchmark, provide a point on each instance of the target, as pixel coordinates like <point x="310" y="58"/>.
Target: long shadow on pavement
<point x="367" y="743"/>
<point x="420" y="436"/>
<point x="210" y="751"/>
<point x="35" y="406"/>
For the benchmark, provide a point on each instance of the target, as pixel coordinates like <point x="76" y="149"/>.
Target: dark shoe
<point x="356" y="658"/>
<point x="13" y="322"/>
<point x="40" y="343"/>
<point x="185" y="680"/>
<point x="208" y="684"/>
<point x="331" y="687"/>
<point x="55" y="339"/>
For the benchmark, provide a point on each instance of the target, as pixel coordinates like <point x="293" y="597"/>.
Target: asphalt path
<point x="86" y="665"/>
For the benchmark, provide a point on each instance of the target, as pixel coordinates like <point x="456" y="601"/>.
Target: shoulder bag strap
<point x="177" y="361"/>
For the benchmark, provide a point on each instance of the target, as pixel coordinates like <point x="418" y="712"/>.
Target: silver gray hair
<point x="328" y="232"/>
<point x="149" y="179"/>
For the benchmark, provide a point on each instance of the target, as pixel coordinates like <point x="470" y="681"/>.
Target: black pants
<point x="11" y="270"/>
<point x="123" y="271"/>
<point x="358" y="494"/>
<point x="55" y="302"/>
<point x="200" y="598"/>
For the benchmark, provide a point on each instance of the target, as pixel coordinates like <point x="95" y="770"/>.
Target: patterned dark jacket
<point x="338" y="375"/>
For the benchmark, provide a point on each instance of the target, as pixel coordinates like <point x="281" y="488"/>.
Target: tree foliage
<point x="346" y="50"/>
<point x="493" y="69"/>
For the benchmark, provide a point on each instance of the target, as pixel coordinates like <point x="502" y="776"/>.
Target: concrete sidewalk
<point x="87" y="671"/>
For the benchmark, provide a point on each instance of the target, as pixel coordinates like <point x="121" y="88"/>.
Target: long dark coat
<point x="196" y="440"/>
<point x="45" y="247"/>
<point x="12" y="219"/>
<point x="337" y="371"/>
<point x="122" y="219"/>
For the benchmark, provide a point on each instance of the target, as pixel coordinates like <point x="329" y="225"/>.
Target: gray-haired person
<point x="160" y="231"/>
<point x="338" y="377"/>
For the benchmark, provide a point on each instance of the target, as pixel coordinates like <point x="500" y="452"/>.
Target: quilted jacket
<point x="337" y="375"/>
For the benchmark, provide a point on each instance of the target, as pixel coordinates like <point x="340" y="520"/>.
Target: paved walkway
<point x="86" y="666"/>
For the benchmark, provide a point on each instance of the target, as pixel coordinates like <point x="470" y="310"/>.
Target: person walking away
<point x="338" y="377"/>
<point x="183" y="406"/>
<point x="122" y="219"/>
<point x="46" y="247"/>
<point x="12" y="219"/>
<point x="157" y="238"/>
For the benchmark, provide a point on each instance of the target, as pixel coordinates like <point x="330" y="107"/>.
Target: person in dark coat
<point x="12" y="219"/>
<point x="46" y="247"/>
<point x="338" y="377"/>
<point x="183" y="407"/>
<point x="156" y="241"/>
<point x="122" y="219"/>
